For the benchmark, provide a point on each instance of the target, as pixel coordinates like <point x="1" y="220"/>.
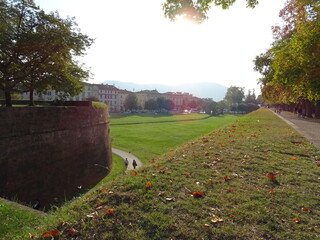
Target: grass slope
<point x="17" y="220"/>
<point x="150" y="140"/>
<point x="254" y="179"/>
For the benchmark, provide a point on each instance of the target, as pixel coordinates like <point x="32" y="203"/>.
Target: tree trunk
<point x="309" y="109"/>
<point x="7" y="95"/>
<point x="304" y="108"/>
<point x="317" y="112"/>
<point x="31" y="102"/>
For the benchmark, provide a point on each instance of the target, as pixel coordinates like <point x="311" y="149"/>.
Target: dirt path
<point x="309" y="128"/>
<point x="129" y="156"/>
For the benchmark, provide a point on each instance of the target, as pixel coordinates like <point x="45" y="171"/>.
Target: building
<point x="115" y="98"/>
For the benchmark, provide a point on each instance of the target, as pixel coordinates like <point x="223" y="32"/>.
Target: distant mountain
<point x="201" y="90"/>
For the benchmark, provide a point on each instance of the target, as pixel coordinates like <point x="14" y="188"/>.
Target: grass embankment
<point x="17" y="220"/>
<point x="149" y="140"/>
<point x="254" y="179"/>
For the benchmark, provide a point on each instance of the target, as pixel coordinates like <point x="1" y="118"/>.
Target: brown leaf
<point x="296" y="220"/>
<point x="72" y="232"/>
<point x="306" y="209"/>
<point x="198" y="194"/>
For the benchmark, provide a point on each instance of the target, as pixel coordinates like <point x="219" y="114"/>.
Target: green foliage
<point x="290" y="69"/>
<point x="99" y="105"/>
<point x="214" y="108"/>
<point x="151" y="104"/>
<point x="37" y="50"/>
<point x="196" y="10"/>
<point x="131" y="102"/>
<point x="234" y="96"/>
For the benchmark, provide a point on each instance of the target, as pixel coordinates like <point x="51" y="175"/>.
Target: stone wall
<point x="50" y="152"/>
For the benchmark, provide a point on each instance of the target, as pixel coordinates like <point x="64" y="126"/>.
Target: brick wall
<point x="51" y="152"/>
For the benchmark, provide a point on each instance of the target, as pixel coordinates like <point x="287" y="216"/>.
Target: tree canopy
<point x="131" y="102"/>
<point x="291" y="68"/>
<point x="196" y="10"/>
<point x="38" y="50"/>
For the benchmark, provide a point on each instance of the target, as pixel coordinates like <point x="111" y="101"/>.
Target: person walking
<point x="134" y="164"/>
<point x="126" y="162"/>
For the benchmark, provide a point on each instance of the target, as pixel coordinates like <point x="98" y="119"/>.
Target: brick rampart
<point x="50" y="152"/>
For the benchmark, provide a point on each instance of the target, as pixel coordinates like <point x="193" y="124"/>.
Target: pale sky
<point x="135" y="43"/>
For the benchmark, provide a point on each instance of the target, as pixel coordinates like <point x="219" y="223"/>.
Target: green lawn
<point x="253" y="179"/>
<point x="149" y="140"/>
<point x="152" y="117"/>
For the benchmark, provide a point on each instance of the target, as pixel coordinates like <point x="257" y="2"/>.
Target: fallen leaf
<point x="92" y="215"/>
<point x="72" y="232"/>
<point x="271" y="191"/>
<point x="32" y="236"/>
<point x="135" y="173"/>
<point x="50" y="233"/>
<point x="231" y="189"/>
<point x="207" y="225"/>
<point x="216" y="219"/>
<point x="161" y="193"/>
<point x="306" y="209"/>
<point x="227" y="178"/>
<point x="170" y="199"/>
<point x="109" y="211"/>
<point x="293" y="158"/>
<point x="148" y="184"/>
<point x="205" y="140"/>
<point x="272" y="175"/>
<point x="232" y="216"/>
<point x="296" y="220"/>
<point x="198" y="194"/>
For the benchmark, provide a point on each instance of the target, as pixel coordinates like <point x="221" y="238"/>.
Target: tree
<point x="234" y="96"/>
<point x="291" y="68"/>
<point x="131" y="102"/>
<point x="38" y="50"/>
<point x="196" y="10"/>
<point x="151" y="105"/>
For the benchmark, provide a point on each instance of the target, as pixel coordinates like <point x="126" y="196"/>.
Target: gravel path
<point x="309" y="128"/>
<point x="129" y="156"/>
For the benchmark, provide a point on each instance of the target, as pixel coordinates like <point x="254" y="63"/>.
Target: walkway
<point x="309" y="128"/>
<point x="129" y="156"/>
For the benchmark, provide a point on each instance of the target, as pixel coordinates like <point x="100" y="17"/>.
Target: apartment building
<point x="115" y="97"/>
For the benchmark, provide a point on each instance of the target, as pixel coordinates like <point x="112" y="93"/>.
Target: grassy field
<point x="149" y="140"/>
<point x="254" y="179"/>
<point x="153" y="117"/>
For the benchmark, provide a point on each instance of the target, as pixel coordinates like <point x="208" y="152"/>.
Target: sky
<point x="135" y="43"/>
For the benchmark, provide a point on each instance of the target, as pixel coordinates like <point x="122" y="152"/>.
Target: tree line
<point x="290" y="69"/>
<point x="39" y="51"/>
<point x="235" y="100"/>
